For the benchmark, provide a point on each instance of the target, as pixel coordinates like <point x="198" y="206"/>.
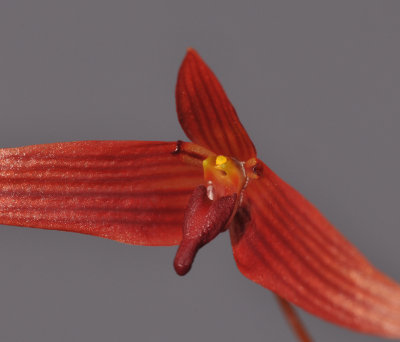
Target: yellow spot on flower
<point x="220" y="160"/>
<point x="223" y="175"/>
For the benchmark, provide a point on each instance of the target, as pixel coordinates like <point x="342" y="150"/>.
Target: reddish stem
<point x="294" y="320"/>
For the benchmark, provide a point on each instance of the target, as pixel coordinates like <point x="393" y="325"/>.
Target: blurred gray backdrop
<point x="316" y="84"/>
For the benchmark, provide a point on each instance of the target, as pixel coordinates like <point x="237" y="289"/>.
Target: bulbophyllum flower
<point x="186" y="193"/>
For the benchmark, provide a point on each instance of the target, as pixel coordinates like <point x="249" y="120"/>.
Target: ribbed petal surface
<point x="283" y="243"/>
<point x="129" y="191"/>
<point x="205" y="112"/>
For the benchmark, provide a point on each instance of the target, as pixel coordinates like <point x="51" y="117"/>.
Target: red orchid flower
<point x="168" y="193"/>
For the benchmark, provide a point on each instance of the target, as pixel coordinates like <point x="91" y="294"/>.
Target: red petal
<point x="205" y="112"/>
<point x="129" y="191"/>
<point x="283" y="243"/>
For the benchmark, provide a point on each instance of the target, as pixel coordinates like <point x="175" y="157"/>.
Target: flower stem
<point x="294" y="320"/>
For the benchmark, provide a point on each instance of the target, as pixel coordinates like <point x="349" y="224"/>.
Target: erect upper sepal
<point x="205" y="112"/>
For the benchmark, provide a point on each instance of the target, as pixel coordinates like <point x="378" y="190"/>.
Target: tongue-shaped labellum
<point x="210" y="208"/>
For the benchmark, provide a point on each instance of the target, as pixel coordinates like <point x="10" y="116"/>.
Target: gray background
<point x="316" y="84"/>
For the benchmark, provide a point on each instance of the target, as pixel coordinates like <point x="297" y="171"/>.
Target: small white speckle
<point x="210" y="191"/>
